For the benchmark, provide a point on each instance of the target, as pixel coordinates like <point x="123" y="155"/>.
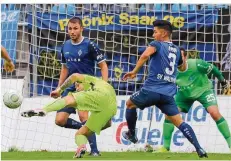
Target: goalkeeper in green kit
<point x="194" y="85"/>
<point x="95" y="95"/>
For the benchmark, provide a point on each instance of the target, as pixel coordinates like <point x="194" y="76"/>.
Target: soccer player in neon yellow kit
<point x="97" y="96"/>
<point x="194" y="85"/>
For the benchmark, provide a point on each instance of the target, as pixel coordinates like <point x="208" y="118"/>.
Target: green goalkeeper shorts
<point x="101" y="104"/>
<point x="207" y="99"/>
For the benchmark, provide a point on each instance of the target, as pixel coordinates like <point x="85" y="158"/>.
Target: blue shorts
<point x="69" y="110"/>
<point x="144" y="98"/>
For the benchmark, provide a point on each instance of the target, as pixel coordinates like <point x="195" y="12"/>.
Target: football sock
<point x="92" y="141"/>
<point x="55" y="105"/>
<point x="224" y="129"/>
<point x="72" y="124"/>
<point x="189" y="134"/>
<point x="167" y="133"/>
<point x="80" y="139"/>
<point x="131" y="117"/>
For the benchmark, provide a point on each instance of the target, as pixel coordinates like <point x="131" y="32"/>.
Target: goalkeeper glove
<point x="225" y="86"/>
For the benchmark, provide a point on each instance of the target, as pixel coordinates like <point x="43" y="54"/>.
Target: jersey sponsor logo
<point x="166" y="78"/>
<point x="66" y="53"/>
<point x="182" y="88"/>
<point x="72" y="59"/>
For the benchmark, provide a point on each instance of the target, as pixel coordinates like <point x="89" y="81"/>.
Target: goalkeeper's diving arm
<point x="217" y="73"/>
<point x="76" y="77"/>
<point x="211" y="69"/>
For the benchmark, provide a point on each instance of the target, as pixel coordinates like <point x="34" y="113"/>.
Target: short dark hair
<point x="163" y="24"/>
<point x="76" y="20"/>
<point x="184" y="51"/>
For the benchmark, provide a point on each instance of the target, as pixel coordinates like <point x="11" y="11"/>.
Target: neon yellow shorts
<point x="101" y="105"/>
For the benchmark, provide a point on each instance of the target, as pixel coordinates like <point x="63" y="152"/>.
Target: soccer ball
<point x="12" y="99"/>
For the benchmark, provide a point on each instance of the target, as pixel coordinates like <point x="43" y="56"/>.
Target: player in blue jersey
<point x="159" y="87"/>
<point x="79" y="55"/>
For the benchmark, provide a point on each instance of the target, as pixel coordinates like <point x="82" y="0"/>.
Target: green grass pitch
<point x="110" y="156"/>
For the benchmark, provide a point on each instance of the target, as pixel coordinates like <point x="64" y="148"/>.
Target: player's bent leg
<point x="131" y="117"/>
<point x="81" y="141"/>
<point x="83" y="116"/>
<point x="61" y="118"/>
<point x="214" y="112"/>
<point x="188" y="133"/>
<point x="168" y="129"/>
<point x="53" y="106"/>
<point x="221" y="123"/>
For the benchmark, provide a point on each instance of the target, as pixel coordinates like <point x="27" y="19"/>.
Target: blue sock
<point x="92" y="141"/>
<point x="189" y="134"/>
<point x="131" y="117"/>
<point x="72" y="124"/>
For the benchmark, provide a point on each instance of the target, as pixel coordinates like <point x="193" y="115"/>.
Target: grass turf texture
<point x="110" y="156"/>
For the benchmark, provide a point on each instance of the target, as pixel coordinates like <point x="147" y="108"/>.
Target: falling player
<point x="194" y="85"/>
<point x="97" y="96"/>
<point x="79" y="55"/>
<point x="159" y="87"/>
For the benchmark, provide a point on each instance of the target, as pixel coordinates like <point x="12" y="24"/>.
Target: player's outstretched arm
<point x="104" y="70"/>
<point x="8" y="65"/>
<point x="63" y="74"/>
<point x="143" y="58"/>
<point x="68" y="82"/>
<point x="208" y="68"/>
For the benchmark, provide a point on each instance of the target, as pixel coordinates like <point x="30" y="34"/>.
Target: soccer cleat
<point x="161" y="150"/>
<point x="128" y="136"/>
<point x="201" y="153"/>
<point x="95" y="154"/>
<point x="30" y="113"/>
<point x="81" y="150"/>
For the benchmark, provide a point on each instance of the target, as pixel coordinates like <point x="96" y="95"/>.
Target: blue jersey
<point x="162" y="68"/>
<point x="81" y="57"/>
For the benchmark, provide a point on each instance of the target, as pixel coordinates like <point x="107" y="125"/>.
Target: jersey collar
<point x="77" y="43"/>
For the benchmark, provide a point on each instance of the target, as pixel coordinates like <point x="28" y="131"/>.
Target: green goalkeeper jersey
<point x="193" y="82"/>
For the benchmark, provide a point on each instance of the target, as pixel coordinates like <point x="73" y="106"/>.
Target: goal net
<point x="33" y="35"/>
